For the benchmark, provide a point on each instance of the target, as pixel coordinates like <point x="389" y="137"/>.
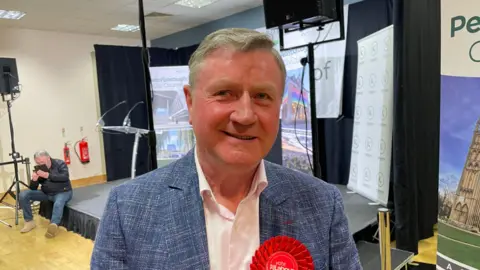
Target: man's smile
<point x="240" y="137"/>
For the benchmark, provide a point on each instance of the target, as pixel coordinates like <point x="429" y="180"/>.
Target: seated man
<point x="56" y="187"/>
<point x="213" y="208"/>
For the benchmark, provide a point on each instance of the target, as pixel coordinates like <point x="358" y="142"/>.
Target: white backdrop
<point x="372" y="131"/>
<point x="167" y="84"/>
<point x="170" y="114"/>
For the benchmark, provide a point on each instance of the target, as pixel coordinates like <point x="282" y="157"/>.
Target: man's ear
<point x="189" y="99"/>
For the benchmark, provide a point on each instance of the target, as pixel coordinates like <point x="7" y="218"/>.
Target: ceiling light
<point x="195" y="3"/>
<point x="11" y="14"/>
<point x="126" y="28"/>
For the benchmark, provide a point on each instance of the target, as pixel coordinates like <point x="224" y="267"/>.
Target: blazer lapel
<point x="185" y="228"/>
<point x="277" y="210"/>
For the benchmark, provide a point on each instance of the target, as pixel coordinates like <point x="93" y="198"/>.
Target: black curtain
<point x="120" y="78"/>
<point x="364" y="18"/>
<point x="414" y="183"/>
<point x="416" y="128"/>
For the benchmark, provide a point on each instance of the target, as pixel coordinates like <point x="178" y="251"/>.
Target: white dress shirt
<point x="232" y="238"/>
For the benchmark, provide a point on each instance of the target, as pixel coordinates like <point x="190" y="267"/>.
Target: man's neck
<point x="229" y="185"/>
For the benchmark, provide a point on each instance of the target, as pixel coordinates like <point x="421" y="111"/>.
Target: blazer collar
<point x="185" y="176"/>
<point x="277" y="210"/>
<point x="187" y="237"/>
<point x="279" y="187"/>
<point x="184" y="173"/>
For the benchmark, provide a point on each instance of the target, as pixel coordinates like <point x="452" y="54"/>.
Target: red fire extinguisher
<point x="66" y="153"/>
<point x="83" y="148"/>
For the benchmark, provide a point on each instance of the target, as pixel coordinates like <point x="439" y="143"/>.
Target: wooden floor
<point x="68" y="250"/>
<point x="34" y="251"/>
<point x="427" y="250"/>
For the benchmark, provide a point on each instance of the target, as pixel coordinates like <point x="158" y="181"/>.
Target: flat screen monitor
<point x="8" y="76"/>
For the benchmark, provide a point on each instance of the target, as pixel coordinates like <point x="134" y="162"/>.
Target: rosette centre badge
<point x="282" y="253"/>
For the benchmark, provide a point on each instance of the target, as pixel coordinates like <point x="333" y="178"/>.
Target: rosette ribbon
<point x="282" y="253"/>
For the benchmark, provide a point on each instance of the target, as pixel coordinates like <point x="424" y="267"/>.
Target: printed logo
<point x="381" y="181"/>
<point x="366" y="175"/>
<point x="371" y="112"/>
<point x="354" y="171"/>
<point x="362" y="53"/>
<point x="368" y="144"/>
<point x="384" y="113"/>
<point x="360" y="82"/>
<point x="358" y="112"/>
<point x="382" y="147"/>
<point x="374" y="48"/>
<point x="373" y="80"/>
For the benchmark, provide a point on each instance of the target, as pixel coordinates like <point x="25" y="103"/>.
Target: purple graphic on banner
<point x="296" y="122"/>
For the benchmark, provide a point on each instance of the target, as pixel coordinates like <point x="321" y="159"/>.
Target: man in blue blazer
<point x="213" y="208"/>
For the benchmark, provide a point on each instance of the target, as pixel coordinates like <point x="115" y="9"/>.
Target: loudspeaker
<point x="288" y="14"/>
<point x="8" y="76"/>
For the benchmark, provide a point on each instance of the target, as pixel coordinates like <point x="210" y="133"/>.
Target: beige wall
<point x="59" y="92"/>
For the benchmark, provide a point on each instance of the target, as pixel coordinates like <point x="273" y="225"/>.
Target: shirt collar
<point x="259" y="181"/>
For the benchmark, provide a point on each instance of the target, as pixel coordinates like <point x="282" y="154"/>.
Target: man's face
<point x="234" y="108"/>
<point x="43" y="160"/>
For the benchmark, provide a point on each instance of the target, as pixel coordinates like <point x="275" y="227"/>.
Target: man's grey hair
<point x="41" y="153"/>
<point x="240" y="39"/>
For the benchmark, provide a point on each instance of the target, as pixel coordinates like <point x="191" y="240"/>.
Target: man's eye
<point x="263" y="96"/>
<point x="222" y="93"/>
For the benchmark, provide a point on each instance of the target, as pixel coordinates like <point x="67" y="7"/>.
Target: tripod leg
<point x="9" y="191"/>
<point x="3" y="197"/>
<point x="17" y="201"/>
<point x="6" y="224"/>
<point x="17" y="205"/>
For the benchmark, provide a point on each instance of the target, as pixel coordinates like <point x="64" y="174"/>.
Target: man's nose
<point x="243" y="113"/>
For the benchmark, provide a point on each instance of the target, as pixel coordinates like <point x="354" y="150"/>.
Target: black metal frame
<point x="148" y="90"/>
<point x="317" y="135"/>
<point x="306" y="25"/>
<point x="318" y="125"/>
<point x="17" y="158"/>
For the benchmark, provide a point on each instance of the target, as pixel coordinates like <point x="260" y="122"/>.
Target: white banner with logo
<point x="372" y="130"/>
<point x="170" y="114"/>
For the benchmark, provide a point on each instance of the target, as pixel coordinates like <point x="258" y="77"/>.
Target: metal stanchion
<point x="384" y="242"/>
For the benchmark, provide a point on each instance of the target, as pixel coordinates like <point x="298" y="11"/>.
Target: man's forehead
<point x="232" y="81"/>
<point x="41" y="158"/>
<point x="228" y="67"/>
<point x="229" y="52"/>
<point x="224" y="65"/>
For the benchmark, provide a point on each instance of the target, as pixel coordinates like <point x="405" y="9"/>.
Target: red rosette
<point x="282" y="253"/>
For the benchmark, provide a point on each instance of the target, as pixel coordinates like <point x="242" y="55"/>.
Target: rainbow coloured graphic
<point x="296" y="133"/>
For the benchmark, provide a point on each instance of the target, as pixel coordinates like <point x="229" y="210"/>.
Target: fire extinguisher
<point x="66" y="153"/>
<point x="83" y="148"/>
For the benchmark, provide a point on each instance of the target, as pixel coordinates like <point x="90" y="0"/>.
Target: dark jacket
<point x="58" y="180"/>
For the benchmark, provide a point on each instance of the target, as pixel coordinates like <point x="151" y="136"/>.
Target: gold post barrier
<point x="381" y="240"/>
<point x="388" y="242"/>
<point x="384" y="238"/>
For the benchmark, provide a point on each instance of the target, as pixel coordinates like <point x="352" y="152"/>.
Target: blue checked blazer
<point x="156" y="221"/>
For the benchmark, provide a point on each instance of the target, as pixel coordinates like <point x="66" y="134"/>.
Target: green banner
<point x="459" y="176"/>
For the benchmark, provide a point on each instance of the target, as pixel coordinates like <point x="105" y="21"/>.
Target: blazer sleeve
<point x="343" y="251"/>
<point x="109" y="251"/>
